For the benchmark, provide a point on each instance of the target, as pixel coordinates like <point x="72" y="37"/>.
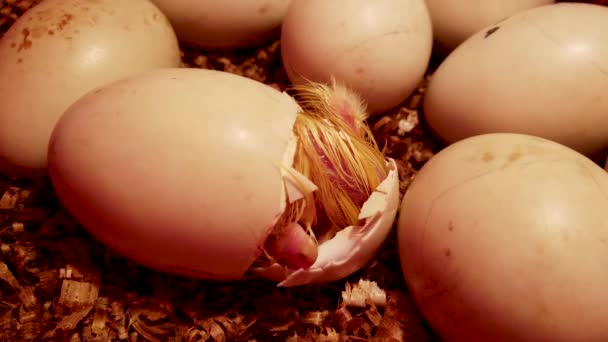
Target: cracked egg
<point x="212" y="175"/>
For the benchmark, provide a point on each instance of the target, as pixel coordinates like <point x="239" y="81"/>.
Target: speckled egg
<point x="504" y="237"/>
<point x="61" y="49"/>
<point x="541" y="72"/>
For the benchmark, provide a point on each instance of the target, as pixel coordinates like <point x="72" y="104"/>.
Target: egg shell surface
<point x="226" y="24"/>
<point x="380" y="49"/>
<point x="456" y="20"/>
<point x="541" y="72"/>
<point x="61" y="49"/>
<point x="504" y="237"/>
<point x="177" y="169"/>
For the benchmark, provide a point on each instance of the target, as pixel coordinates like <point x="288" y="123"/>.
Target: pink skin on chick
<point x="294" y="248"/>
<point x="358" y="195"/>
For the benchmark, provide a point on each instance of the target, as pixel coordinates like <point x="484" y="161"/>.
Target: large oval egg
<point x="504" y="237"/>
<point x="61" y="49"/>
<point x="380" y="49"/>
<point x="178" y="169"/>
<point x="540" y="72"/>
<point x="226" y="24"/>
<point x="456" y="20"/>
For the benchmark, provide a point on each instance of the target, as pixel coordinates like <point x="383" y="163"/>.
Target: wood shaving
<point x="363" y="293"/>
<point x="151" y="319"/>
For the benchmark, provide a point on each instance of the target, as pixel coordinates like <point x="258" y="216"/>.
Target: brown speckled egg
<point x="61" y="49"/>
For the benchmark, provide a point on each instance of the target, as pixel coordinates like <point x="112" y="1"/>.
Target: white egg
<point x="61" y="49"/>
<point x="504" y="237"/>
<point x="380" y="49"/>
<point x="540" y="72"/>
<point x="456" y="20"/>
<point x="225" y="24"/>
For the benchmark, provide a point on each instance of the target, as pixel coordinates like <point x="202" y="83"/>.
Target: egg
<point x="191" y="171"/>
<point x="227" y="24"/>
<point x="540" y="72"/>
<point x="504" y="237"/>
<point x="456" y="20"/>
<point x="58" y="51"/>
<point x="380" y="49"/>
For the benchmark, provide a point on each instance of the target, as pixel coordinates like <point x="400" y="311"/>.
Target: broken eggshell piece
<point x="187" y="171"/>
<point x="352" y="247"/>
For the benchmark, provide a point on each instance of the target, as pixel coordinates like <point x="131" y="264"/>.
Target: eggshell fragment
<point x="456" y="20"/>
<point x="58" y="51"/>
<point x="503" y="237"/>
<point x="353" y="246"/>
<point x="380" y="49"/>
<point x="187" y="171"/>
<point x="226" y="24"/>
<point x="541" y="72"/>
